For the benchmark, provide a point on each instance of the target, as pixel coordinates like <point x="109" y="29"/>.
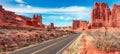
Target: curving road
<point x="56" y="46"/>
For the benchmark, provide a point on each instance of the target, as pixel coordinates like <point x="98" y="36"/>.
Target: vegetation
<point x="75" y="47"/>
<point x="107" y="41"/>
<point x="1" y="32"/>
<point x="30" y="29"/>
<point x="49" y="30"/>
<point x="13" y="39"/>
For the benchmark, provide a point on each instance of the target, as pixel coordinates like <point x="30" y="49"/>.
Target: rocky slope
<point x="11" y="39"/>
<point x="96" y="42"/>
<point x="9" y="19"/>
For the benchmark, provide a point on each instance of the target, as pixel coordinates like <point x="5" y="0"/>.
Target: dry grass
<point x="75" y="47"/>
<point x="12" y="39"/>
<point x="107" y="41"/>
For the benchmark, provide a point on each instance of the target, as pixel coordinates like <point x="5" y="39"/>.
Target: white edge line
<point x="65" y="46"/>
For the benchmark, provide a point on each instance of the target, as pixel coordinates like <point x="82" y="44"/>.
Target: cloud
<point x="69" y="13"/>
<point x="65" y="10"/>
<point x="21" y="5"/>
<point x="20" y="1"/>
<point x="62" y="17"/>
<point x="28" y="6"/>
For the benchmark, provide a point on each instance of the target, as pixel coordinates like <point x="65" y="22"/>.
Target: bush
<point x="1" y="32"/>
<point x="30" y="29"/>
<point x="106" y="41"/>
<point x="49" y="30"/>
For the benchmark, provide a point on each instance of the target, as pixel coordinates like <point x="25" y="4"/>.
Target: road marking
<point x="65" y="46"/>
<point x="37" y="44"/>
<point x="43" y="48"/>
<point x="47" y="47"/>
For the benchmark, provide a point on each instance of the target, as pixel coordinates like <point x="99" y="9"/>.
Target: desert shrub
<point x="106" y="41"/>
<point x="30" y="29"/>
<point x="13" y="32"/>
<point x="67" y="30"/>
<point x="2" y="48"/>
<point x="1" y="32"/>
<point x="49" y="30"/>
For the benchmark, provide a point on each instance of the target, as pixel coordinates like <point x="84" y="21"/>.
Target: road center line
<point x="43" y="48"/>
<point x="46" y="47"/>
<point x="65" y="46"/>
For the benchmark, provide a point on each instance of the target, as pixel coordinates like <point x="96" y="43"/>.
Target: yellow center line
<point x="45" y="48"/>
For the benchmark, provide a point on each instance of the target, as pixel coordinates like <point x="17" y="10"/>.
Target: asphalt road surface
<point x="56" y="46"/>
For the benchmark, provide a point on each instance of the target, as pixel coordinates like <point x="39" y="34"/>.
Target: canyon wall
<point x="101" y="16"/>
<point x="79" y="25"/>
<point x="11" y="20"/>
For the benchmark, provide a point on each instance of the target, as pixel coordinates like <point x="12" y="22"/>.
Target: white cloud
<point x="28" y="6"/>
<point x="21" y="5"/>
<point x="68" y="18"/>
<point x="61" y="17"/>
<point x="65" y="10"/>
<point x="20" y="1"/>
<point x="78" y="11"/>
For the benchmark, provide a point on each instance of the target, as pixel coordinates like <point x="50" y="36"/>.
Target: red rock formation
<point x="100" y="15"/>
<point x="75" y="24"/>
<point x="51" y="26"/>
<point x="103" y="17"/>
<point x="79" y="24"/>
<point x="8" y="19"/>
<point x="115" y="16"/>
<point x="2" y="19"/>
<point x="35" y="21"/>
<point x="28" y="22"/>
<point x="83" y="25"/>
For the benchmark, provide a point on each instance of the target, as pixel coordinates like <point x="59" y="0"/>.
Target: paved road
<point x="56" y="46"/>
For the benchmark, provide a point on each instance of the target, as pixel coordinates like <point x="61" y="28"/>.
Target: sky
<point x="60" y="12"/>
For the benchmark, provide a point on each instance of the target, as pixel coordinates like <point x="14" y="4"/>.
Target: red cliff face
<point x="35" y="21"/>
<point x="10" y="19"/>
<point x="79" y="25"/>
<point x="83" y="25"/>
<point x="100" y="15"/>
<point x="103" y="17"/>
<point x="75" y="24"/>
<point x="115" y="16"/>
<point x="2" y="19"/>
<point x="37" y="18"/>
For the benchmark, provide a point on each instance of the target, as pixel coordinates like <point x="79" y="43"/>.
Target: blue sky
<point x="60" y="12"/>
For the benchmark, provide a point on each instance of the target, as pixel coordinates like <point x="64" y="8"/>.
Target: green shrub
<point x="30" y="29"/>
